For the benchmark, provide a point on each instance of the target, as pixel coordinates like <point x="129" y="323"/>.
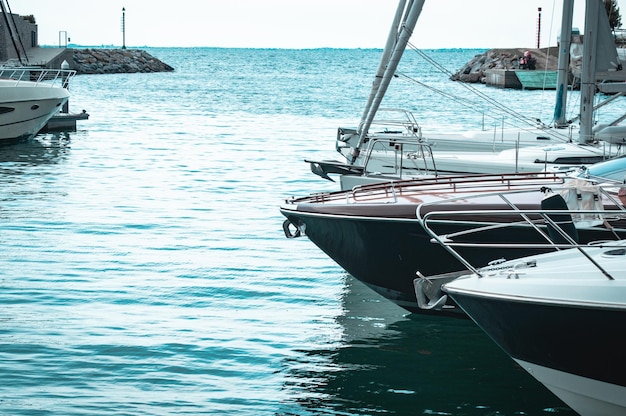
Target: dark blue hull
<point x="386" y="252"/>
<point x="573" y="339"/>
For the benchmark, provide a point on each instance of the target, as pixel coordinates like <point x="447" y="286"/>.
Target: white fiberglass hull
<point x="495" y="141"/>
<point x="554" y="157"/>
<point x="25" y="108"/>
<point x="386" y="166"/>
<point x="560" y="316"/>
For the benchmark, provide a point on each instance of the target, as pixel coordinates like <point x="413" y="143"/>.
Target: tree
<point x="612" y="10"/>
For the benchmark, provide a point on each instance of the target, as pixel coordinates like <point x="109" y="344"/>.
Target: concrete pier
<point x="64" y="122"/>
<point x="521" y="79"/>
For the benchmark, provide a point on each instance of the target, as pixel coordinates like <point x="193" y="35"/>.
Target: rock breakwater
<point x="474" y="70"/>
<point x="112" y="61"/>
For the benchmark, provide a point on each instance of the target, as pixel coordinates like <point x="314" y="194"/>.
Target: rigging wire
<point x="19" y="38"/>
<point x="6" y="20"/>
<point x="530" y="122"/>
<point x="484" y="97"/>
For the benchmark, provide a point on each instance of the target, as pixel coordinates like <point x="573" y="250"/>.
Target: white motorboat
<point x="29" y="97"/>
<point x="374" y="231"/>
<point x="560" y="316"/>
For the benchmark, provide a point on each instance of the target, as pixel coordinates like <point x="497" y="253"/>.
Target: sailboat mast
<point x="562" y="82"/>
<point x="389" y="47"/>
<point x="588" y="77"/>
<point x="413" y="12"/>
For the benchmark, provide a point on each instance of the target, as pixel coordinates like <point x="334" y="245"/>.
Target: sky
<point x="297" y="24"/>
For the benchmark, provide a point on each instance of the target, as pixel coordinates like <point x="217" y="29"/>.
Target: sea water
<point x="144" y="271"/>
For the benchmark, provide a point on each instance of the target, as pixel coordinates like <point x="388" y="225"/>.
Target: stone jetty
<point x="112" y="61"/>
<point x="504" y="59"/>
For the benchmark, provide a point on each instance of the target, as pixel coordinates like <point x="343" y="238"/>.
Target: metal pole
<point x="63" y="39"/>
<point x="123" y="27"/>
<point x="65" y="67"/>
<point x="539" y="28"/>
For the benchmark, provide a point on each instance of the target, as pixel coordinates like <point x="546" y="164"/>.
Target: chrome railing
<point x="398" y="157"/>
<point x="556" y="229"/>
<point x="40" y="76"/>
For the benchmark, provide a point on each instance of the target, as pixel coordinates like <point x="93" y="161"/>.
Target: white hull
<point x="26" y="107"/>
<point x="497" y="140"/>
<point x="555" y="157"/>
<point x="559" y="315"/>
<point x="391" y="165"/>
<point x="586" y="396"/>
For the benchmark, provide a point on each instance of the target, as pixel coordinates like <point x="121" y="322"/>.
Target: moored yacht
<point x="374" y="232"/>
<point x="29" y="97"/>
<point x="559" y="316"/>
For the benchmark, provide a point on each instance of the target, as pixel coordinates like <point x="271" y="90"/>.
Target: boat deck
<point x="421" y="190"/>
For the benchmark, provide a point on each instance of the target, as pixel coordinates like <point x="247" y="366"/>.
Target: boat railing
<point x="395" y="120"/>
<point x="40" y="76"/>
<point x="555" y="227"/>
<point x="409" y="155"/>
<point x="411" y="189"/>
<point x="389" y="123"/>
<point x="482" y="183"/>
